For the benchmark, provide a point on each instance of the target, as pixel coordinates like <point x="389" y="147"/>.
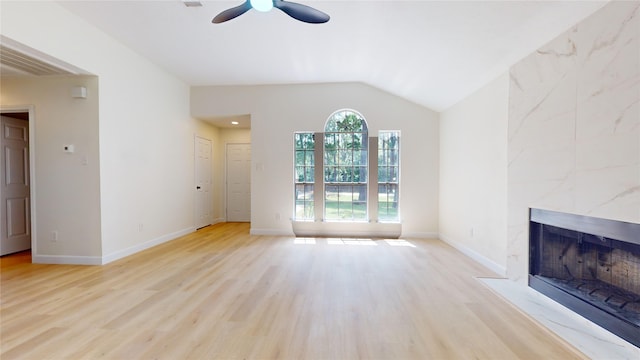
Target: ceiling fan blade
<point x="232" y="13"/>
<point x="301" y="12"/>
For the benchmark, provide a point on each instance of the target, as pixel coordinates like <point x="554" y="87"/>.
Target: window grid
<point x="388" y="175"/>
<point x="345" y="167"/>
<point x="304" y="173"/>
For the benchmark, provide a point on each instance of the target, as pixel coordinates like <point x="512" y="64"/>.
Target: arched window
<point x="346" y="155"/>
<point x="333" y="178"/>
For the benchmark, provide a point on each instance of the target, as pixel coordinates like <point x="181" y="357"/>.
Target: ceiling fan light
<point x="262" y="5"/>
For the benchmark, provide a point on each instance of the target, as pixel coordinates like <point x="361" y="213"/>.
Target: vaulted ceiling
<point x="433" y="53"/>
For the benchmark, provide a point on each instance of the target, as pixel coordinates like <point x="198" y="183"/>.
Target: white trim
<point x="145" y="245"/>
<point x="483" y="260"/>
<point x="218" y="221"/>
<point x="39" y="55"/>
<point x="66" y="260"/>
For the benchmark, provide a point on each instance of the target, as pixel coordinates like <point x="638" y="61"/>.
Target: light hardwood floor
<point x="220" y="293"/>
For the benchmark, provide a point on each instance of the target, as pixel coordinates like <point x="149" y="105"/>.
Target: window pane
<point x="362" y="174"/>
<point x="309" y="174"/>
<point x="393" y="158"/>
<point x="388" y="202"/>
<point x="297" y="138"/>
<point x="330" y="174"/>
<point x="388" y="175"/>
<point x="300" y="157"/>
<point x="357" y="141"/>
<point x="309" y="141"/>
<point x="304" y="202"/>
<point x="308" y="191"/>
<point x="330" y="157"/>
<point x="347" y="174"/>
<point x="329" y="141"/>
<point x="309" y="158"/>
<point x="299" y="175"/>
<point x="360" y="202"/>
<point x="345" y="198"/>
<point x="382" y="174"/>
<point x="304" y="144"/>
<point x="331" y="202"/>
<point x="393" y="174"/>
<point x="309" y="213"/>
<point x="345" y="162"/>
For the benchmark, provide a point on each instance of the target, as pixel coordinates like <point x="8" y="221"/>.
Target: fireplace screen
<point x="591" y="266"/>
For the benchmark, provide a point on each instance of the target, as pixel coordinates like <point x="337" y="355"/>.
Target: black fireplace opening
<point x="590" y="265"/>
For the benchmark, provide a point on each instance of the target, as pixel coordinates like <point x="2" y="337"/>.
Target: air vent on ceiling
<point x="17" y="63"/>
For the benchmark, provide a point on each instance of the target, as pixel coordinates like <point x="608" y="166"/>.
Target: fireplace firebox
<point x="590" y="265"/>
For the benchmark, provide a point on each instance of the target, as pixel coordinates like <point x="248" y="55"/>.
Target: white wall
<point x="574" y="127"/>
<point x="145" y="131"/>
<point x="67" y="192"/>
<point x="473" y="174"/>
<point x="278" y="111"/>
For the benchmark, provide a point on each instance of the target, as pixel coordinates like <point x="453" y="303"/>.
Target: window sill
<point x="346" y="229"/>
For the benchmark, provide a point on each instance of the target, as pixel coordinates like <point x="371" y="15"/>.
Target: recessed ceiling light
<point x="234" y="123"/>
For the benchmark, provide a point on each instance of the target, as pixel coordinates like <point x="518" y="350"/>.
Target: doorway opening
<point x="15" y="185"/>
<point x="238" y="182"/>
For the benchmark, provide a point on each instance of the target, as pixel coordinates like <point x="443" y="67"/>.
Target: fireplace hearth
<point x="590" y="265"/>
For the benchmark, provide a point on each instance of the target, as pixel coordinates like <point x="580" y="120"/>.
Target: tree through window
<point x="345" y="166"/>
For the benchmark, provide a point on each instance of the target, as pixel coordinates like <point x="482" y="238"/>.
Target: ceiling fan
<point x="297" y="11"/>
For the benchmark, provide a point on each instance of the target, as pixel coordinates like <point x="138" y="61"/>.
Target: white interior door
<point x="239" y="182"/>
<point x="203" y="182"/>
<point x="14" y="192"/>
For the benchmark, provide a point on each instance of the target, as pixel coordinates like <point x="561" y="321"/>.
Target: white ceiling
<point x="433" y="53"/>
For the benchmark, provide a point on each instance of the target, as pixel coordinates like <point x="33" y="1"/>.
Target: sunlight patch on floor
<point x="304" y="241"/>
<point x="353" y="242"/>
<point x="399" y="242"/>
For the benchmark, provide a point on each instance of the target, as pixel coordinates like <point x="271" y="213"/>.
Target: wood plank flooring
<point x="220" y="293"/>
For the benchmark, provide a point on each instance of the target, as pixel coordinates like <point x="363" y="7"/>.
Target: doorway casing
<point x="30" y="109"/>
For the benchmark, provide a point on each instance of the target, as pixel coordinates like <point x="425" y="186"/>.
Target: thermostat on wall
<point x="79" y="92"/>
<point x="69" y="148"/>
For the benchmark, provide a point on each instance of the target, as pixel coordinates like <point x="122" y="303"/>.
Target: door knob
<point x="197" y="187"/>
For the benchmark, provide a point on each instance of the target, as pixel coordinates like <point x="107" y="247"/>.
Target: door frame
<point x="226" y="173"/>
<point x="32" y="167"/>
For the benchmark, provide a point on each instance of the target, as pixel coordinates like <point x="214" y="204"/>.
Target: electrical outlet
<point x="277" y="216"/>
<point x="140" y="227"/>
<point x="54" y="236"/>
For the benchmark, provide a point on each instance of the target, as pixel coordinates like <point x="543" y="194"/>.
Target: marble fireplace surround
<point x="574" y="127"/>
<point x="573" y="146"/>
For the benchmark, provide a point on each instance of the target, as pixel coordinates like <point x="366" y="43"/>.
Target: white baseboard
<point x="218" y="221"/>
<point x="145" y="245"/>
<point x="490" y="264"/>
<point x="66" y="260"/>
